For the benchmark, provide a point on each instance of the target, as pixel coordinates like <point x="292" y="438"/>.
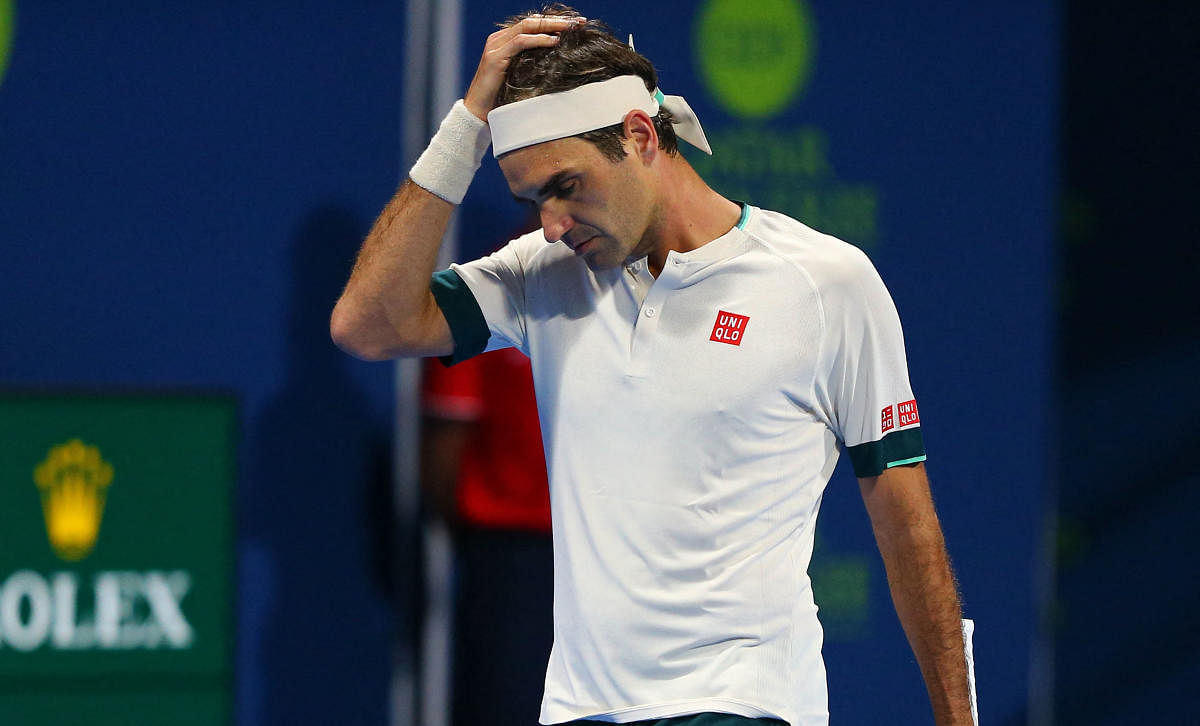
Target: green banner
<point x="115" y="568"/>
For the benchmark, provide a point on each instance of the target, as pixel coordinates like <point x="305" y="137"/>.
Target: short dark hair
<point x="585" y="53"/>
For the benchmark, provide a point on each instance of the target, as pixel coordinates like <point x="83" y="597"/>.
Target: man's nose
<point x="555" y="222"/>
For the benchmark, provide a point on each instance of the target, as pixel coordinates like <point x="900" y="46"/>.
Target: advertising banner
<point x="115" y="565"/>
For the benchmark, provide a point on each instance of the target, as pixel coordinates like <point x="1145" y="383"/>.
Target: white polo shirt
<point x="690" y="424"/>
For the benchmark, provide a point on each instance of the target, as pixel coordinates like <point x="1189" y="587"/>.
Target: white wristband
<point x="448" y="164"/>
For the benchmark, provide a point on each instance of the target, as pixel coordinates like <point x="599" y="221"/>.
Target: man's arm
<point x="922" y="585"/>
<point x="387" y="309"/>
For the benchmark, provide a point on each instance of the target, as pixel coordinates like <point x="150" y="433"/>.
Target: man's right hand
<point x="535" y="31"/>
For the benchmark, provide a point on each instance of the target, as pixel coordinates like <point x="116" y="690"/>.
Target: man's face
<point x="599" y="208"/>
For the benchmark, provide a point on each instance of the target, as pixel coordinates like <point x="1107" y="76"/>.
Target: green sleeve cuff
<point x="896" y="449"/>
<point x="462" y="313"/>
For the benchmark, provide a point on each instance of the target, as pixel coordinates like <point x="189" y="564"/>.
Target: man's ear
<point x="640" y="131"/>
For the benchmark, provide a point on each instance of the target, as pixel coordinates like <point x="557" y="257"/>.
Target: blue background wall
<point x="1127" y="613"/>
<point x="184" y="187"/>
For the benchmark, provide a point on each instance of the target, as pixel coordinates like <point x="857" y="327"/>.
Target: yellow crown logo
<point x="73" y="481"/>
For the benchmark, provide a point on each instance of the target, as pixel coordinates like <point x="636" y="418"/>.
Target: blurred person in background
<point x="483" y="473"/>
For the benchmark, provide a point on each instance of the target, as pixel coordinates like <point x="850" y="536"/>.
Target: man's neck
<point x="690" y="214"/>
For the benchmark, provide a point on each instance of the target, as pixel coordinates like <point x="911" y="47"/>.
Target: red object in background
<point x="502" y="480"/>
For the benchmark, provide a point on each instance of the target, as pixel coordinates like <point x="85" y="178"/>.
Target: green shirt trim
<point x="896" y="449"/>
<point x="462" y="312"/>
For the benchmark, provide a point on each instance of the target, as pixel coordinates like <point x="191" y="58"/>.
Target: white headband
<point x="587" y="108"/>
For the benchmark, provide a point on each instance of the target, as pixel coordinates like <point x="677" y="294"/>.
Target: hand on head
<point x="535" y="31"/>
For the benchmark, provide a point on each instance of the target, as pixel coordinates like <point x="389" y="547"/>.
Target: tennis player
<point x="699" y="365"/>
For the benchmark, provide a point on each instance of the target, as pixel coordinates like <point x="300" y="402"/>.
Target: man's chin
<point x="599" y="259"/>
<point x="599" y="263"/>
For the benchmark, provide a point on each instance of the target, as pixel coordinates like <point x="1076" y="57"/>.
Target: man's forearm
<point x="927" y="603"/>
<point x="922" y="586"/>
<point x="386" y="307"/>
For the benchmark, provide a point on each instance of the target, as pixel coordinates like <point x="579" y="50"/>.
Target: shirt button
<point x="650" y="312"/>
<point x="679" y="260"/>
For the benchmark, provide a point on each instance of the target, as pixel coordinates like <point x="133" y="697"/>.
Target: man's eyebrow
<point x="554" y="183"/>
<point x="547" y="189"/>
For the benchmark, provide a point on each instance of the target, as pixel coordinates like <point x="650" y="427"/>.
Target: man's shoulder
<point x="825" y="259"/>
<point x="532" y="250"/>
<point x="527" y="245"/>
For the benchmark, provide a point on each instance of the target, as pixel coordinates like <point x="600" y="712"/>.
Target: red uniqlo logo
<point x="729" y="328"/>
<point x="889" y="419"/>
<point x="908" y="413"/>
